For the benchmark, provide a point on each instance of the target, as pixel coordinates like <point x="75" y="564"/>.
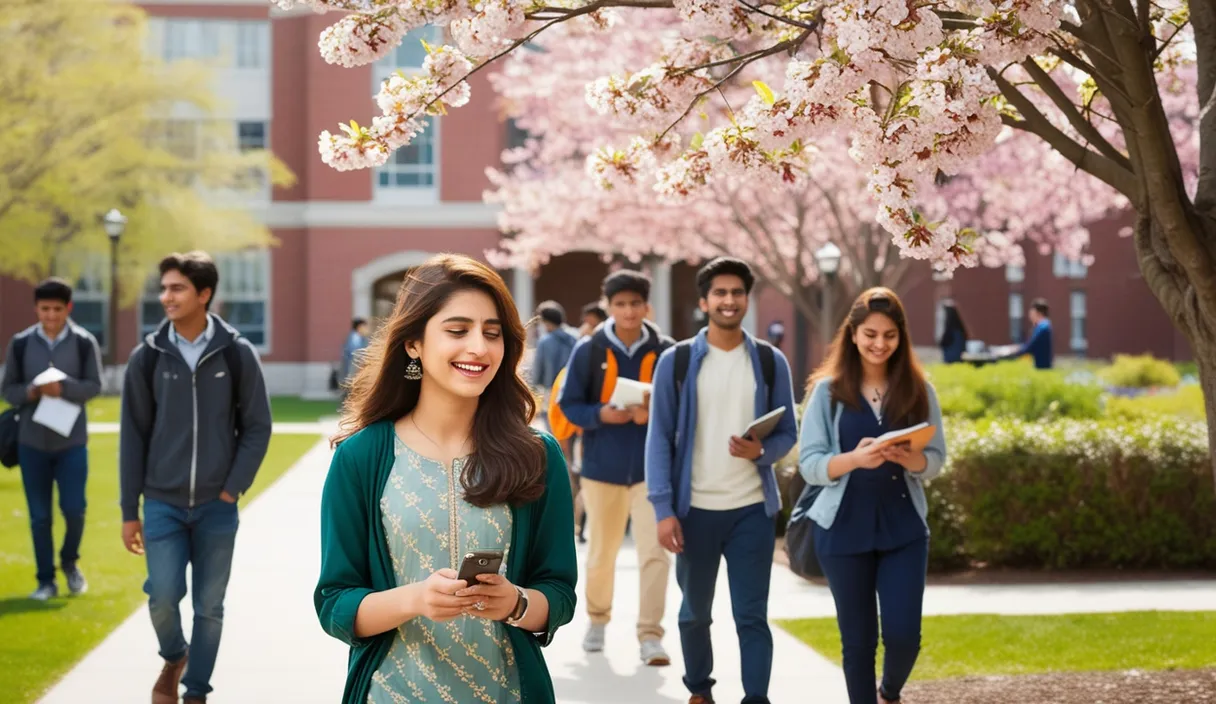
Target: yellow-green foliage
<point x="80" y="104"/>
<point x="1140" y="372"/>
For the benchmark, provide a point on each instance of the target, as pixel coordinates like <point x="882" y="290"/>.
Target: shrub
<point x="1186" y="403"/>
<point x="1012" y="390"/>
<point x="1140" y="372"/>
<point x="1077" y="494"/>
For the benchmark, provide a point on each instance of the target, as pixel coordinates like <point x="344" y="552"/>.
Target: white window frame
<point x="1066" y="268"/>
<point x="1017" y="313"/>
<point x="1078" y="311"/>
<point x="410" y="195"/>
<point x="250" y="45"/>
<point x="1015" y="273"/>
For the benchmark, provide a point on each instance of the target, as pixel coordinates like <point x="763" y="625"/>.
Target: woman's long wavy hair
<point x="507" y="464"/>
<point x="907" y="401"/>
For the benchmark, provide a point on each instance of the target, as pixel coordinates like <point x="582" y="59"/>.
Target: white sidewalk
<point x="274" y="650"/>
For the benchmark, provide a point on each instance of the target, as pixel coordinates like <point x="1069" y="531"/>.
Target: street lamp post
<point x="115" y="223"/>
<point x="827" y="258"/>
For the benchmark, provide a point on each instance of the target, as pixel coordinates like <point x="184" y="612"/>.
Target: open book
<point x="918" y="435"/>
<point x="762" y="426"/>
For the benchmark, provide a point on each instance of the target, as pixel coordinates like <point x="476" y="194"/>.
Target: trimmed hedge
<point x="1140" y="372"/>
<point x="1075" y="494"/>
<point x="1012" y="390"/>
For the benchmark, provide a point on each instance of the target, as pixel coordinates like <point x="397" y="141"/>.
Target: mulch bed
<point x="1130" y="687"/>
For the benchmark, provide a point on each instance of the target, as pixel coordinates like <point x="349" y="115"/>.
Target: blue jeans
<point x="40" y="472"/>
<point x="745" y="537"/>
<point x="897" y="577"/>
<point x="204" y="537"/>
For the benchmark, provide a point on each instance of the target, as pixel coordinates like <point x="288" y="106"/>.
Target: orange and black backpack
<point x="602" y="368"/>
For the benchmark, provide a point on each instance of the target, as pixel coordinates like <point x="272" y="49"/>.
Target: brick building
<point x="346" y="238"/>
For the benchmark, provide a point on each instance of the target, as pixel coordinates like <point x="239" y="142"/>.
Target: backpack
<point x="602" y="368"/>
<point x="768" y="365"/>
<point x="232" y="357"/>
<point x="799" y="531"/>
<point x="10" y="419"/>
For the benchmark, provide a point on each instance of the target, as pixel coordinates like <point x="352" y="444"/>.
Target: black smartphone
<point x="479" y="562"/>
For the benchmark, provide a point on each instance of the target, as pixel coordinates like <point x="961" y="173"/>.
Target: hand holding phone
<point x="478" y="562"/>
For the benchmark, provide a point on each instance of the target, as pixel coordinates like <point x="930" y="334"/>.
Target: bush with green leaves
<point x="1185" y="402"/>
<point x="1076" y="494"/>
<point x="1012" y="390"/>
<point x="1140" y="372"/>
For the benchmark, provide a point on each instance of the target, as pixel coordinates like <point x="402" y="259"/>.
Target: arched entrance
<point x="374" y="285"/>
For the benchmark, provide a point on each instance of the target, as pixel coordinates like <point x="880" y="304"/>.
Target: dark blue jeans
<point x="745" y="537"/>
<point x="40" y="472"/>
<point x="203" y="537"/>
<point x="897" y="577"/>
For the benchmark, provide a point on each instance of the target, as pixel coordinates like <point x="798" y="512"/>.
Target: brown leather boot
<point x="194" y="700"/>
<point x="166" y="689"/>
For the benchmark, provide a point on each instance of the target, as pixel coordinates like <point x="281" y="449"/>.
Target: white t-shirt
<point x="726" y="404"/>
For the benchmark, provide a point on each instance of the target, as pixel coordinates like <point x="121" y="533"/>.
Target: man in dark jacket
<point x="48" y="458"/>
<point x="195" y="427"/>
<point x="613" y="479"/>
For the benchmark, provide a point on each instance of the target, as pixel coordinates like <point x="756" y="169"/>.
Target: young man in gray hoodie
<point x="195" y="427"/>
<point x="46" y="457"/>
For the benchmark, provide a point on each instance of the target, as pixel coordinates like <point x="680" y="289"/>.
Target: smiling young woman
<point x="870" y="529"/>
<point x="436" y="459"/>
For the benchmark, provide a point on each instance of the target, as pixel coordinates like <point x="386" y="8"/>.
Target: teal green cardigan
<point x="355" y="559"/>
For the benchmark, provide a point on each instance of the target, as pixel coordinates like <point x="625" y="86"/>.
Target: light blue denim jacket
<point x="819" y="442"/>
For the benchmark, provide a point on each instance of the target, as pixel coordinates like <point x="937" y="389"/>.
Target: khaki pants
<point x="609" y="507"/>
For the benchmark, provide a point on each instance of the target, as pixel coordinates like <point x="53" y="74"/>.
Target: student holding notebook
<point x="713" y="489"/>
<point x="871" y="535"/>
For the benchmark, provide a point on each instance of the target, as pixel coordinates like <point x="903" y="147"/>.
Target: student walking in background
<point x="953" y="341"/>
<point x="713" y="491"/>
<point x="47" y="457"/>
<point x="554" y="347"/>
<point x="612" y="482"/>
<point x="436" y="459"/>
<point x="356" y="341"/>
<point x="594" y="316"/>
<point x="195" y="427"/>
<point x="1039" y="346"/>
<point x="871" y="530"/>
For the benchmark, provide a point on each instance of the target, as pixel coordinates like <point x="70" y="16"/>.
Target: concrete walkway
<point x="274" y="650"/>
<point x="322" y="427"/>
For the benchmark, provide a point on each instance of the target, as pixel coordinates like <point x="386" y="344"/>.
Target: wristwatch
<point x="521" y="608"/>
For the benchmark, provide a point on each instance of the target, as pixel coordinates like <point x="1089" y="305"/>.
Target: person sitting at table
<point x="954" y="335"/>
<point x="1039" y="345"/>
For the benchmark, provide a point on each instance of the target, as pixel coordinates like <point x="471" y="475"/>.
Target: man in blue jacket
<point x="714" y="492"/>
<point x="194" y="428"/>
<point x="612" y="482"/>
<point x="1039" y="346"/>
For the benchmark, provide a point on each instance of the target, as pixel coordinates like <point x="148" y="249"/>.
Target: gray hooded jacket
<point x="191" y="435"/>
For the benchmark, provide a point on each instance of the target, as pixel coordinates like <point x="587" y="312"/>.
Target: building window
<point x="1077" y="315"/>
<point x="252" y="40"/>
<point x="90" y="292"/>
<point x="410" y="53"/>
<point x="412" y="166"/>
<point x="516" y="136"/>
<point x="243" y="298"/>
<point x="1065" y="268"/>
<point x="939" y="321"/>
<point x="251" y="135"/>
<point x="1017" y="311"/>
<point x="1015" y="273"/>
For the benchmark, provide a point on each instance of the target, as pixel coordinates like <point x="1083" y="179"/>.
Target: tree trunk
<point x="802" y="339"/>
<point x="1181" y="298"/>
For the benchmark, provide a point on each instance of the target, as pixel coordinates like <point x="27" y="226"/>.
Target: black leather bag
<point x="800" y="536"/>
<point x="8" y="438"/>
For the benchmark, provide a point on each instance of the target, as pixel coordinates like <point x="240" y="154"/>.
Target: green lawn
<point x="286" y="409"/>
<point x="40" y="642"/>
<point x="955" y="646"/>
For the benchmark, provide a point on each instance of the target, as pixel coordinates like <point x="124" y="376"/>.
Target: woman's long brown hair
<point x="508" y="460"/>
<point x="907" y="401"/>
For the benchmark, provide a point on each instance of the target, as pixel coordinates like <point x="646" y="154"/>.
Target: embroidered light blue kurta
<point x="430" y="527"/>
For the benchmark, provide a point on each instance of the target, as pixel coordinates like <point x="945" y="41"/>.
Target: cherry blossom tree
<point x="920" y="88"/>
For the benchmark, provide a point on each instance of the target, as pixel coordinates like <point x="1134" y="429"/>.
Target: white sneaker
<point x="45" y="592"/>
<point x="653" y="653"/>
<point x="593" y="642"/>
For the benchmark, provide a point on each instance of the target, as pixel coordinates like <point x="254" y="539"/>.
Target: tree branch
<point x="1084" y="127"/>
<point x="1092" y="162"/>
<point x="779" y="18"/>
